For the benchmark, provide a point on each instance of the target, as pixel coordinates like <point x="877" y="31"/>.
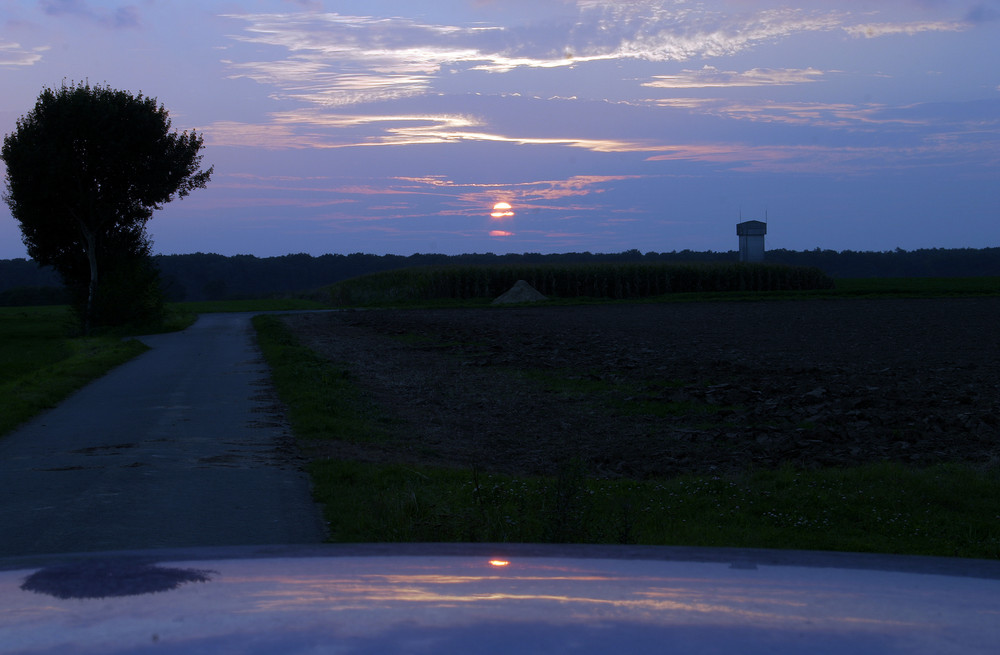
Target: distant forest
<point x="216" y="277"/>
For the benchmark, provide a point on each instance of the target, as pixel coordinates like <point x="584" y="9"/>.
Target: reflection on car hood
<point x="497" y="599"/>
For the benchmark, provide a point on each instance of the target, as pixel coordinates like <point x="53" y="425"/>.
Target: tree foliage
<point x="86" y="168"/>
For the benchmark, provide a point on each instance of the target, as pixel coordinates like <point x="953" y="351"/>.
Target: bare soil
<point x="663" y="389"/>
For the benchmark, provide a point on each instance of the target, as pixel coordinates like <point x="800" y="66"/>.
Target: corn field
<point x="611" y="281"/>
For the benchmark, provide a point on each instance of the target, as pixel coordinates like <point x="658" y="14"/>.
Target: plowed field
<point x="661" y="389"/>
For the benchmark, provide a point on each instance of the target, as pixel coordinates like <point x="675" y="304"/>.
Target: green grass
<point x="947" y="510"/>
<point x="887" y="508"/>
<point x="30" y="338"/>
<point x="40" y="364"/>
<point x="323" y="402"/>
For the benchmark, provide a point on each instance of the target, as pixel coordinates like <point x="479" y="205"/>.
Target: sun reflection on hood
<point x="507" y="604"/>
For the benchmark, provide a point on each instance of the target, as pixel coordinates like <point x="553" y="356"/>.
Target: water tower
<point x="751" y="234"/>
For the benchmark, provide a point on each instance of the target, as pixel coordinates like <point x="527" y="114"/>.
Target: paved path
<point x="182" y="446"/>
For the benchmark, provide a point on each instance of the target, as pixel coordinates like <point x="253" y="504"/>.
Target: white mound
<point x="520" y="292"/>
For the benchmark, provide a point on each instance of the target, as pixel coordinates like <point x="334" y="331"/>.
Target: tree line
<point x="202" y="276"/>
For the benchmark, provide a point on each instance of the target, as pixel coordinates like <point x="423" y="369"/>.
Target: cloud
<point x="331" y="61"/>
<point x="577" y="185"/>
<point x="546" y="194"/>
<point x="912" y="136"/>
<point x="269" y="137"/>
<point x="311" y="128"/>
<point x="874" y="30"/>
<point x="12" y="54"/>
<point x="126" y="16"/>
<point x="853" y="161"/>
<point x="335" y="60"/>
<point x="660" y="32"/>
<point x="314" y="117"/>
<point x="337" y="69"/>
<point x="815" y="114"/>
<point x="709" y="76"/>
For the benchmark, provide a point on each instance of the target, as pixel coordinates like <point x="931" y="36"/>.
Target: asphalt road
<point x="182" y="446"/>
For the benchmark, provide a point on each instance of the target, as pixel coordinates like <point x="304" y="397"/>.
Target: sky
<point x="606" y="125"/>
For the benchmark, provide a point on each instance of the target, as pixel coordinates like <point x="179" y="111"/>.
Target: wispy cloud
<point x="326" y="62"/>
<point x="330" y="60"/>
<point x="471" y="199"/>
<point x="336" y="60"/>
<point x="665" y="32"/>
<point x="312" y="129"/>
<point x="815" y="114"/>
<point x="710" y="76"/>
<point x="13" y="54"/>
<point x="918" y="148"/>
<point x="250" y="135"/>
<point x="849" y="161"/>
<point x="874" y="30"/>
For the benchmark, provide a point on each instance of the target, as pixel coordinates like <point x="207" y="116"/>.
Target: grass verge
<point x="947" y="510"/>
<point x="40" y="365"/>
<point x="886" y="508"/>
<point x="321" y="399"/>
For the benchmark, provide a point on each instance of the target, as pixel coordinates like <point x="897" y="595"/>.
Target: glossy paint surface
<point x="516" y="601"/>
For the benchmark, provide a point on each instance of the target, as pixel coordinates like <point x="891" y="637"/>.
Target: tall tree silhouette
<point x="86" y="168"/>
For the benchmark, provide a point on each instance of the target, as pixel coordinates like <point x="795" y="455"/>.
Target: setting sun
<point x="502" y="210"/>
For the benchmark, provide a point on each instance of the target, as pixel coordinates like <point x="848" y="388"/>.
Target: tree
<point x="86" y="168"/>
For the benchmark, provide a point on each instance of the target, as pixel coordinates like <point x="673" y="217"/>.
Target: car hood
<point x="449" y="598"/>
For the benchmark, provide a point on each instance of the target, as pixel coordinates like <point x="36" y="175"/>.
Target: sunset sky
<point x="397" y="126"/>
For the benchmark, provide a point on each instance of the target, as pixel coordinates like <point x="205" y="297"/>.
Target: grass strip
<point x="32" y="338"/>
<point x="945" y="510"/>
<point x="85" y="359"/>
<point x="41" y="364"/>
<point x="323" y="403"/>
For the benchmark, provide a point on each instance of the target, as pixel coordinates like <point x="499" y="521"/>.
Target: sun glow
<point x="502" y="210"/>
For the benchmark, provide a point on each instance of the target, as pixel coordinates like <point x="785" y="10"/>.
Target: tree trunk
<point x="88" y="313"/>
